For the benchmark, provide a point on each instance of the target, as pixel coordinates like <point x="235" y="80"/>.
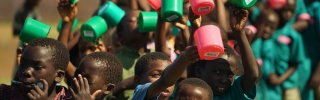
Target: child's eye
<point x="38" y="67"/>
<point x="156" y="75"/>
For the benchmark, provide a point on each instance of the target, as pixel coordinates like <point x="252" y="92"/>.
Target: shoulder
<point x="236" y="90"/>
<point x="141" y="91"/>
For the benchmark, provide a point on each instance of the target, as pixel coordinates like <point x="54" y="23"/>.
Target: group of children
<point x="274" y="62"/>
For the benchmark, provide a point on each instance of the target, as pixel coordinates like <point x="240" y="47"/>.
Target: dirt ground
<point x="8" y="45"/>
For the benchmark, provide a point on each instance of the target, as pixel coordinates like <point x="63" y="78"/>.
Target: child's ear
<point x="59" y="75"/>
<point x="197" y="71"/>
<point x="108" y="88"/>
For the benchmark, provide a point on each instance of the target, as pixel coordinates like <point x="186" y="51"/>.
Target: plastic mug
<point x="70" y="1"/>
<point x="277" y="4"/>
<point x="147" y="21"/>
<point x="243" y="3"/>
<point x="201" y="7"/>
<point x="155" y="4"/>
<point x="33" y="29"/>
<point x="111" y="13"/>
<point x="93" y="29"/>
<point x="172" y="10"/>
<point x="209" y="42"/>
<point x="74" y="26"/>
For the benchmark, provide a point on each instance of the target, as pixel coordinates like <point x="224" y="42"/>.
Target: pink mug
<point x="277" y="4"/>
<point x="209" y="42"/>
<point x="201" y="7"/>
<point x="155" y="4"/>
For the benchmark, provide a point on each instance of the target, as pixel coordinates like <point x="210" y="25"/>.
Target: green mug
<point x="73" y="1"/>
<point x="33" y="29"/>
<point x="172" y="10"/>
<point x="93" y="29"/>
<point x="74" y="26"/>
<point x="243" y="3"/>
<point x="147" y="21"/>
<point x="111" y="13"/>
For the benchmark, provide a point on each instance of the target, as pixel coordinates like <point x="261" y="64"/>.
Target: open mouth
<point x="165" y="93"/>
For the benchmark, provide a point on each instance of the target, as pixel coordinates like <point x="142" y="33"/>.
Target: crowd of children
<point x="268" y="54"/>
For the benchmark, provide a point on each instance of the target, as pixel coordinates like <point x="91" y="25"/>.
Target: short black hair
<point x="197" y="83"/>
<point x="110" y="67"/>
<point x="60" y="54"/>
<point x="143" y="62"/>
<point x="227" y="51"/>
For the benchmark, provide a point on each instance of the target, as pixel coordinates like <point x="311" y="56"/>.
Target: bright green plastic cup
<point x="172" y="10"/>
<point x="147" y="21"/>
<point x="74" y="26"/>
<point x="33" y="29"/>
<point x="73" y="1"/>
<point x="111" y="13"/>
<point x="243" y="3"/>
<point x="93" y="29"/>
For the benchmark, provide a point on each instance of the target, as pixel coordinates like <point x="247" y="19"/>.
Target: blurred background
<point x="49" y="15"/>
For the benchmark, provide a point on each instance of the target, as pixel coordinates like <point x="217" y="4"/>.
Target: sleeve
<point x="237" y="92"/>
<point x="141" y="91"/>
<point x="297" y="53"/>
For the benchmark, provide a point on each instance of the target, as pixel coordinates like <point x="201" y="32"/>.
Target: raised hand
<point x="67" y="11"/>
<point x="39" y="94"/>
<point x="194" y="19"/>
<point x="190" y="54"/>
<point x="238" y="18"/>
<point x="81" y="90"/>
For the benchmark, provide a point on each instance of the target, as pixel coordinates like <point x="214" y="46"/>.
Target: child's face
<point x="268" y="26"/>
<point x="90" y="69"/>
<point x="287" y="12"/>
<point x="218" y="74"/>
<point x="85" y="48"/>
<point x="192" y="93"/>
<point x="131" y="33"/>
<point x="36" y="64"/>
<point x="154" y="72"/>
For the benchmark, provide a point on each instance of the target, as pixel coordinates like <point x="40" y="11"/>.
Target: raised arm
<point x="238" y="19"/>
<point x="160" y="36"/>
<point x="195" y="24"/>
<point x="173" y="72"/>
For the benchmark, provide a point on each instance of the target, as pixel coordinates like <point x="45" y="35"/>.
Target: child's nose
<point x="27" y="72"/>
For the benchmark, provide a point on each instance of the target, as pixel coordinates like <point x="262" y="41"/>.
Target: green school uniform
<point x="235" y="92"/>
<point x="311" y="37"/>
<point x="300" y="9"/>
<point x="128" y="58"/>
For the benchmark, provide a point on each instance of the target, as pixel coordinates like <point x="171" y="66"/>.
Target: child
<point x="290" y="58"/>
<point x="102" y="71"/>
<point x="134" y="43"/>
<point x="44" y="60"/>
<point x="218" y="74"/>
<point x="263" y="49"/>
<point x="193" y="89"/>
<point x="155" y="78"/>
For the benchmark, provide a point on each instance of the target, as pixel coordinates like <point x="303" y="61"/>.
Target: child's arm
<point x="195" y="24"/>
<point x="68" y="14"/>
<point x="238" y="19"/>
<point x="143" y="5"/>
<point x="183" y="26"/>
<point x="277" y="80"/>
<point x="124" y="85"/>
<point x="315" y="79"/>
<point x="74" y="40"/>
<point x="222" y="17"/>
<point x="173" y="72"/>
<point x="300" y="25"/>
<point x="160" y="36"/>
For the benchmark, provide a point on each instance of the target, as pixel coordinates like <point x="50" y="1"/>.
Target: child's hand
<point x="274" y="79"/>
<point x="182" y="24"/>
<point x="82" y="90"/>
<point x="314" y="81"/>
<point x="100" y="47"/>
<point x="238" y="18"/>
<point x="39" y="94"/>
<point x="19" y="53"/>
<point x="190" y="54"/>
<point x="194" y="19"/>
<point x="68" y="12"/>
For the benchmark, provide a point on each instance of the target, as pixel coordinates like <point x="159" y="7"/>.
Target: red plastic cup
<point x="277" y="4"/>
<point x="209" y="42"/>
<point x="155" y="4"/>
<point x="201" y="7"/>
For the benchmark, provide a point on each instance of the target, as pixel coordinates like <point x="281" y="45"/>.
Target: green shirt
<point x="128" y="58"/>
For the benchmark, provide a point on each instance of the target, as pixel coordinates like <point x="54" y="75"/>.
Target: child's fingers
<point x="72" y="92"/>
<point x="86" y="84"/>
<point x="81" y="82"/>
<point x="76" y="84"/>
<point x="34" y="94"/>
<point x="45" y="85"/>
<point x="30" y="96"/>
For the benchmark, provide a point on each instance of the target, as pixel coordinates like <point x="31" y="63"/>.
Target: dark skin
<point x="192" y="93"/>
<point x="37" y="66"/>
<point x="91" y="81"/>
<point x="31" y="4"/>
<point x="314" y="81"/>
<point x="169" y="75"/>
<point x="285" y="14"/>
<point x="160" y="36"/>
<point x="267" y="25"/>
